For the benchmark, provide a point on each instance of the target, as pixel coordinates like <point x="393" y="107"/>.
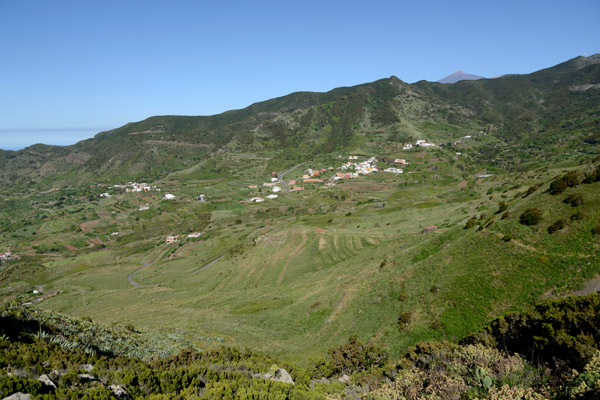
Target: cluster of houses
<point x="367" y="167"/>
<point x="317" y="175"/>
<point x="8" y="256"/>
<point x="132" y="187"/>
<point x="175" y="238"/>
<point x="136" y="187"/>
<point x="421" y="143"/>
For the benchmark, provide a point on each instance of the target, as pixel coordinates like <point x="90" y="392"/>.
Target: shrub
<point x="471" y="223"/>
<point x="403" y="320"/>
<point x="592" y="176"/>
<point x="596" y="230"/>
<point x="560" y="331"/>
<point x="508" y="237"/>
<point x="574" y="199"/>
<point x="560" y="184"/>
<point x="557" y="225"/>
<point x="531" y="190"/>
<point x="502" y="207"/>
<point x="356" y="356"/>
<point x="557" y="186"/>
<point x="505" y="215"/>
<point x="577" y="216"/>
<point x="531" y="216"/>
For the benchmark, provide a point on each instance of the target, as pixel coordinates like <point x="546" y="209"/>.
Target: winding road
<point x="207" y="265"/>
<point x="134" y="283"/>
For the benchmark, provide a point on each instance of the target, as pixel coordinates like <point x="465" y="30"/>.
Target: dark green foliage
<point x="592" y="176"/>
<point x="502" y="207"/>
<point x="593" y="138"/>
<point x="531" y="216"/>
<point x="559" y="331"/>
<point x="403" y="320"/>
<point x="560" y="184"/>
<point x="578" y="216"/>
<point x="507" y="238"/>
<point x="471" y="222"/>
<point x="574" y="199"/>
<point x="531" y="190"/>
<point x="356" y="356"/>
<point x="557" y="225"/>
<point x="505" y="215"/>
<point x="557" y="186"/>
<point x="596" y="230"/>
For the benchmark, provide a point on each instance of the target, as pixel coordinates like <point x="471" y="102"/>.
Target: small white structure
<point x="393" y="170"/>
<point x="194" y="235"/>
<point x="144" y="208"/>
<point x="272" y="196"/>
<point x="407" y="146"/>
<point x="171" y="239"/>
<point x="104" y="194"/>
<point x="169" y="196"/>
<point x="274" y="179"/>
<point x="276" y="189"/>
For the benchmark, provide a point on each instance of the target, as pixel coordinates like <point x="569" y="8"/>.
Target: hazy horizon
<point x="18" y="139"/>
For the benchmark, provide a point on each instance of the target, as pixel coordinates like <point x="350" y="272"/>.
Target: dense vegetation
<point x="561" y="336"/>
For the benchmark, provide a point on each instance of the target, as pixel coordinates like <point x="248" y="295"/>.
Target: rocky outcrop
<point x="280" y="375"/>
<point x="45" y="379"/>
<point x="18" y="396"/>
<point x="120" y="392"/>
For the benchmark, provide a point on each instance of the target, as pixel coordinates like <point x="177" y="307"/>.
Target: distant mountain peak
<point x="459" y="76"/>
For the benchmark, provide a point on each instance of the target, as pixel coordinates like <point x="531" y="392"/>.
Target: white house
<point x="169" y="196"/>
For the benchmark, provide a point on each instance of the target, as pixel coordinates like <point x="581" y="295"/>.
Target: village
<point x="348" y="170"/>
<point x="354" y="167"/>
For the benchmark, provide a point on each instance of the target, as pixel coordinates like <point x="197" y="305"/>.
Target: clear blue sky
<point x="69" y="69"/>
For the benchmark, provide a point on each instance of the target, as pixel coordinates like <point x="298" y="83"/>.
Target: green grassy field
<point x="298" y="274"/>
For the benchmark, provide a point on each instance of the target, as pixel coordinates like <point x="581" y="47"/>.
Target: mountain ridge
<point x="317" y="122"/>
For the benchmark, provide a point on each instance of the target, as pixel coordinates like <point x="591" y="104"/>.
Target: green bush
<point x="557" y="225"/>
<point x="560" y="332"/>
<point x="403" y="320"/>
<point x="471" y="223"/>
<point x="574" y="199"/>
<point x="578" y="216"/>
<point x="560" y="184"/>
<point x="502" y="207"/>
<point x="356" y="356"/>
<point x="531" y="190"/>
<point x="531" y="216"/>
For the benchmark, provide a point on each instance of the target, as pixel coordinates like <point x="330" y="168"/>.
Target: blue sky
<point x="69" y="69"/>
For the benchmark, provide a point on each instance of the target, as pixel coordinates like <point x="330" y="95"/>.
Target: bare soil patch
<point x="86" y="226"/>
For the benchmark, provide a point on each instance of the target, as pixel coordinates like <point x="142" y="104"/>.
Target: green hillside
<point x="546" y="114"/>
<point x="497" y="211"/>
